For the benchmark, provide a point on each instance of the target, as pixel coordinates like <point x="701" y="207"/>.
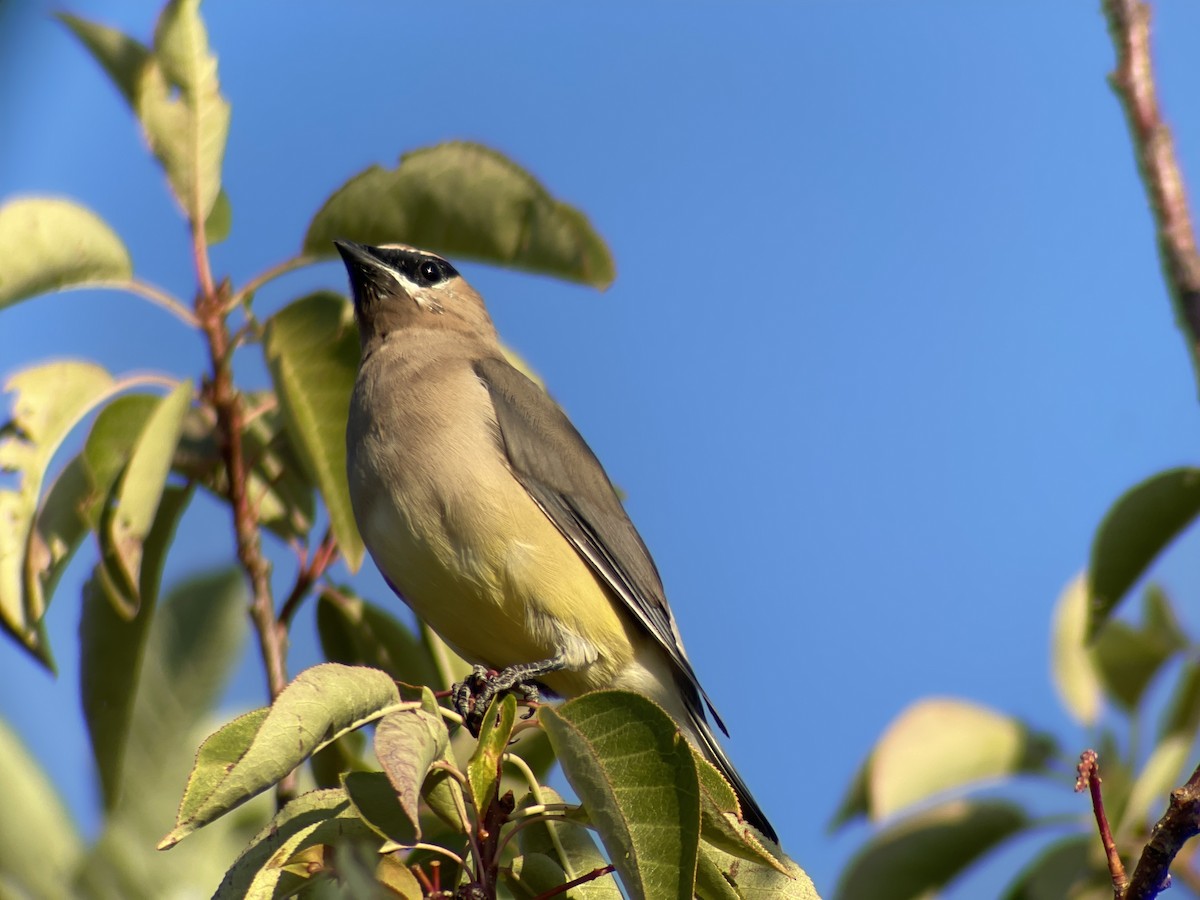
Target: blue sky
<point x="888" y="333"/>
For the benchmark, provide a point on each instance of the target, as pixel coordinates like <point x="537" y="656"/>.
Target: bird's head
<point x="396" y="286"/>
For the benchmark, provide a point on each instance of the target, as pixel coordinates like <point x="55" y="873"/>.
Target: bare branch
<point x="1133" y="82"/>
<point x="1089" y="779"/>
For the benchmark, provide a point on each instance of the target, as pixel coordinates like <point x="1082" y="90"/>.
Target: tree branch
<point x="226" y="402"/>
<point x="1180" y="822"/>
<point x="1133" y="82"/>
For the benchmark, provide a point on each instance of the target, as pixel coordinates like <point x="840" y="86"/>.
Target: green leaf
<point x="141" y="486"/>
<point x="937" y="745"/>
<point x="311" y="346"/>
<point x="109" y="445"/>
<point x="569" y="847"/>
<point x="308" y="820"/>
<point x="407" y="744"/>
<point x="57" y="532"/>
<point x="121" y="56"/>
<point x="195" y="640"/>
<point x="921" y="854"/>
<point x="220" y="219"/>
<point x="637" y="778"/>
<point x="321" y="704"/>
<point x="1136" y="529"/>
<point x="721" y="876"/>
<point x="399" y="879"/>
<point x="856" y="802"/>
<point x="1127" y="660"/>
<point x="483" y="769"/>
<point x="50" y="400"/>
<point x="1072" y="666"/>
<point x="357" y="633"/>
<point x="1163" y="771"/>
<point x="186" y="129"/>
<point x="720" y="818"/>
<point x="280" y="492"/>
<point x="47" y="244"/>
<point x="1182" y="715"/>
<point x="378" y="805"/>
<point x="39" y="846"/>
<point x="466" y="201"/>
<point x="112" y="646"/>
<point x="1060" y="871"/>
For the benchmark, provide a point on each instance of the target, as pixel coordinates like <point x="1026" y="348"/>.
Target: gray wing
<point x="554" y="463"/>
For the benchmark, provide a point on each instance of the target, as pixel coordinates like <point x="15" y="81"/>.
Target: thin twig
<point x="146" y="291"/>
<point x="1133" y="82"/>
<point x="288" y="265"/>
<point x="582" y="879"/>
<point x="1089" y="779"/>
<point x="307" y="575"/>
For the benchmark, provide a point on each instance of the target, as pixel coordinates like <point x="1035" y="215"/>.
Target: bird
<point x="490" y="516"/>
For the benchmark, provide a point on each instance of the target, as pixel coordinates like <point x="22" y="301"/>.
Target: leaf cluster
<point x="943" y="781"/>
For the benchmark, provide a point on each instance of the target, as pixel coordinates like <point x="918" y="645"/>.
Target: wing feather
<point x="559" y="470"/>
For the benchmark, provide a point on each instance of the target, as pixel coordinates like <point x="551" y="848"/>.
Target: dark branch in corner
<point x="1180" y="822"/>
<point x="1133" y="82"/>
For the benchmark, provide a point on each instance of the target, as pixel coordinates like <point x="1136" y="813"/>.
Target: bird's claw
<point x="474" y="694"/>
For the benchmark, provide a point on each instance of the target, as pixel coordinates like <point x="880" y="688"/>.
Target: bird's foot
<point x="474" y="694"/>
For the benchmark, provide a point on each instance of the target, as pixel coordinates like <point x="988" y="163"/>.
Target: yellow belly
<point x="500" y="584"/>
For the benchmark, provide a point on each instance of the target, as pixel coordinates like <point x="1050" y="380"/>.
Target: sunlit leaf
<point x="856" y="802"/>
<point x="50" y="400"/>
<point x="937" y="745"/>
<point x="109" y="445"/>
<point x="311" y="346"/>
<point x="635" y="774"/>
<point x="1071" y="664"/>
<point x="220" y="219"/>
<point x="464" y="201"/>
<point x="47" y="243"/>
<point x="141" y="485"/>
<point x="319" y="705"/>
<point x="57" y="532"/>
<point x="921" y="854"/>
<point x="483" y="769"/>
<point x="39" y="846"/>
<point x="719" y="871"/>
<point x="310" y="819"/>
<point x="720" y="822"/>
<point x="1163" y="771"/>
<point x="179" y="102"/>
<point x="121" y="56"/>
<point x="1136" y="529"/>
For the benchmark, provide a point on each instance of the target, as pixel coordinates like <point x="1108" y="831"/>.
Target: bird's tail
<point x="706" y="740"/>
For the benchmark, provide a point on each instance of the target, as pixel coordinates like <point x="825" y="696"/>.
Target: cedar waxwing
<point x="489" y="515"/>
